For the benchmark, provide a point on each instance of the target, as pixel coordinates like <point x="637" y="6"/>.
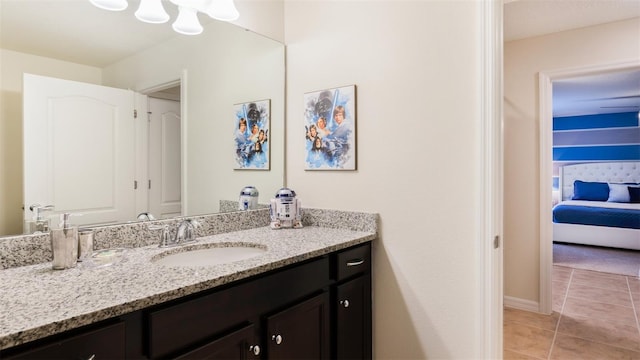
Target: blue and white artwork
<point x="330" y="129"/>
<point x="251" y="135"/>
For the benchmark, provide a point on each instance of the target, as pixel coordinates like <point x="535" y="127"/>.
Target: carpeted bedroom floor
<point x="595" y="258"/>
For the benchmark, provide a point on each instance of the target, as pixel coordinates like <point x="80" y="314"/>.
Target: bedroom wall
<point x="523" y="60"/>
<point x="417" y="123"/>
<point x="593" y="138"/>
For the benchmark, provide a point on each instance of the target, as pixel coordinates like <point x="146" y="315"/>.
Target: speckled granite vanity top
<point x="37" y="301"/>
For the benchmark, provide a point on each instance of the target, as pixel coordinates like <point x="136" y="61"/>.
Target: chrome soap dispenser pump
<point x="64" y="244"/>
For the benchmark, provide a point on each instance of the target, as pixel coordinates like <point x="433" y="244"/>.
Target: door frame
<point x="545" y="84"/>
<point x="142" y="171"/>
<point x="489" y="329"/>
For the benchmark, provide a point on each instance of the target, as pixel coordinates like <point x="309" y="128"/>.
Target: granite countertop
<point x="37" y="301"/>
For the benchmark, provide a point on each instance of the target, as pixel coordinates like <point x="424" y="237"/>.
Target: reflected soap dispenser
<point x="64" y="244"/>
<point x="38" y="224"/>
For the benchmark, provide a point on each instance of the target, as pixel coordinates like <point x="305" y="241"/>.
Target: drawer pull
<point x="277" y="339"/>
<point x="344" y="303"/>
<point x="355" y="262"/>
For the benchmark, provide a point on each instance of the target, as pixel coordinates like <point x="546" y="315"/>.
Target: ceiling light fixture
<point x="152" y="11"/>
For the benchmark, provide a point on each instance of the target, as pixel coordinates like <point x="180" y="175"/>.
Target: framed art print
<point x="330" y="129"/>
<point x="251" y="135"/>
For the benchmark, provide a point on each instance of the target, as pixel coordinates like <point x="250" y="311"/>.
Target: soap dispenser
<point x="38" y="224"/>
<point x="64" y="243"/>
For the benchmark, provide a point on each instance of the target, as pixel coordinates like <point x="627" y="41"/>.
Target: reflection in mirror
<point x="225" y="65"/>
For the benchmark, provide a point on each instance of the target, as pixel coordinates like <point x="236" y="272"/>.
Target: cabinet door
<point x="104" y="343"/>
<point x="301" y="331"/>
<point x="238" y="345"/>
<point x="353" y="319"/>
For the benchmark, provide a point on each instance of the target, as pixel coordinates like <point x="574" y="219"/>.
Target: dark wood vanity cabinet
<point x="103" y="342"/>
<point x="317" y="309"/>
<point x="352" y="334"/>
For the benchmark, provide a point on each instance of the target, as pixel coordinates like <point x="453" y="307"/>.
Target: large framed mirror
<point x="223" y="66"/>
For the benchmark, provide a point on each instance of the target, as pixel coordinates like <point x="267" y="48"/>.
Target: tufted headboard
<point x="614" y="172"/>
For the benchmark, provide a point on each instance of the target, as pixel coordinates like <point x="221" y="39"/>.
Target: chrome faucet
<point x="145" y="216"/>
<point x="186" y="231"/>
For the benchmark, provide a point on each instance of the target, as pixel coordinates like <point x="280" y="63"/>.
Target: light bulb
<point x="113" y="5"/>
<point x="151" y="11"/>
<point x="224" y="10"/>
<point x="187" y="22"/>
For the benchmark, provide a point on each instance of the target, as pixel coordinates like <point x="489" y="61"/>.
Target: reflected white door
<point x="164" y="158"/>
<point x="79" y="149"/>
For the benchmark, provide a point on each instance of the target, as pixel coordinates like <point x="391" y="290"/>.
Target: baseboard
<point x="521" y="304"/>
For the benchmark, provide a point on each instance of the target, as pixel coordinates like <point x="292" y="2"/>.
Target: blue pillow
<point x="634" y="194"/>
<point x="591" y="191"/>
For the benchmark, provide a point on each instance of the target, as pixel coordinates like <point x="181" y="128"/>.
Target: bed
<point x="592" y="217"/>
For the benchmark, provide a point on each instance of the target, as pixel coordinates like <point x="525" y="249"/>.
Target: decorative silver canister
<point x="85" y="243"/>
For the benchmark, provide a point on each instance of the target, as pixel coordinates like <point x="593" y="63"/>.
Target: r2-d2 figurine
<point x="286" y="210"/>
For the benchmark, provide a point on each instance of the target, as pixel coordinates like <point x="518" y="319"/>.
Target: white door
<point x="164" y="158"/>
<point x="79" y="150"/>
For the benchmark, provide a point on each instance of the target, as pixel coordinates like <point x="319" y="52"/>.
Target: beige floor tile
<point x="559" y="287"/>
<point x="600" y="280"/>
<point x="558" y="302"/>
<point x="634" y="286"/>
<point x="542" y="321"/>
<point x="561" y="273"/>
<point x="527" y="340"/>
<point x="584" y="291"/>
<point x="568" y="347"/>
<point x="614" y="334"/>
<point x="512" y="355"/>
<point x="598" y="320"/>
<point x="608" y="312"/>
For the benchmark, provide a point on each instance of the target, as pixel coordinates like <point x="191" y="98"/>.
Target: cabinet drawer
<point x="353" y="261"/>
<point x="107" y="342"/>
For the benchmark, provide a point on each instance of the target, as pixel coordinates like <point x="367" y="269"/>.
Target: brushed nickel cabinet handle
<point x="355" y="262"/>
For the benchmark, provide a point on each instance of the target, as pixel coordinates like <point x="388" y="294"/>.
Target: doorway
<point x="546" y="80"/>
<point x="164" y="151"/>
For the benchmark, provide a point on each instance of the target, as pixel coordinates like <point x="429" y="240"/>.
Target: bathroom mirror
<point x="223" y="66"/>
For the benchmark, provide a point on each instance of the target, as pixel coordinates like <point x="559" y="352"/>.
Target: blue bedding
<point x="589" y="215"/>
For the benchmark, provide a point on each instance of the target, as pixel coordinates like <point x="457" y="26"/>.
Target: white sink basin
<point x="208" y="255"/>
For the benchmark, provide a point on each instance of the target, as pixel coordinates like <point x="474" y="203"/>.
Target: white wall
<point x="415" y="67"/>
<point x="523" y="60"/>
<point x="252" y="68"/>
<point x="12" y="66"/>
<point x="265" y="17"/>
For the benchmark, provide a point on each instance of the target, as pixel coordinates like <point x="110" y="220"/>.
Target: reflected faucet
<point x="186" y="231"/>
<point x="145" y="216"/>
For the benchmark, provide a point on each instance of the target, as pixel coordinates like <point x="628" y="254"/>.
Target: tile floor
<point x="595" y="316"/>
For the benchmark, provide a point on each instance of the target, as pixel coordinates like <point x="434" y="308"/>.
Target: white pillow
<point x="619" y="193"/>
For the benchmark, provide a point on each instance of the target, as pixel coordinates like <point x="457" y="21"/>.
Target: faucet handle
<point x="165" y="240"/>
